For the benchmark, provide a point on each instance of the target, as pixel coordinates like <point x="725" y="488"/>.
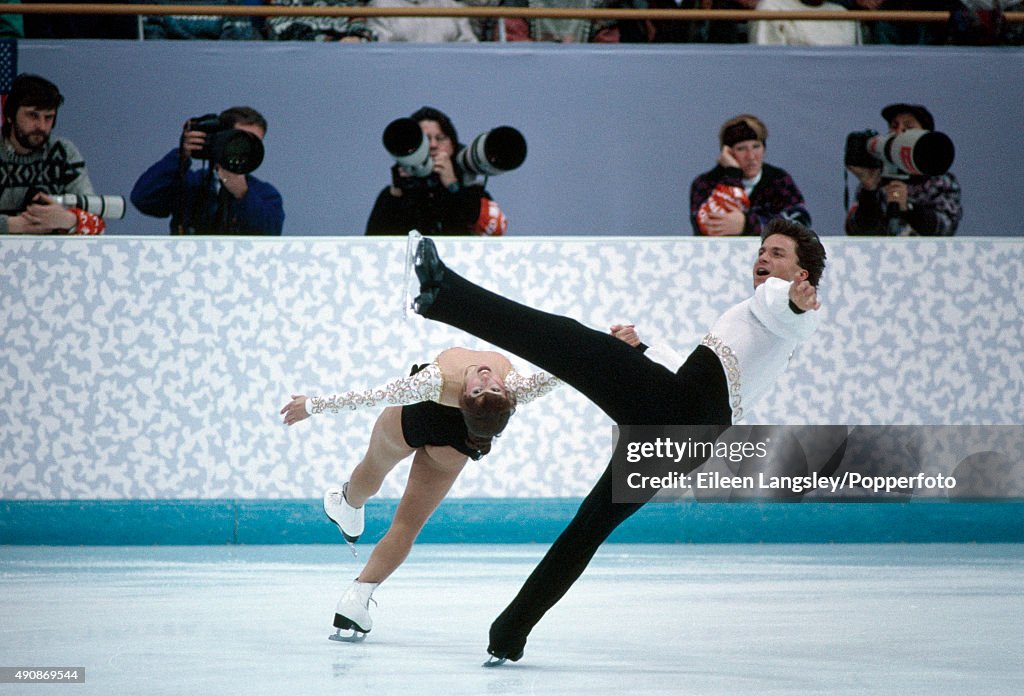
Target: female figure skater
<point x="443" y="414"/>
<point x="737" y="362"/>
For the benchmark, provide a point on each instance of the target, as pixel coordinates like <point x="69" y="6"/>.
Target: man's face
<point x="777" y="258"/>
<point x="250" y="128"/>
<point x="438" y="139"/>
<point x="903" y="122"/>
<point x="32" y="127"/>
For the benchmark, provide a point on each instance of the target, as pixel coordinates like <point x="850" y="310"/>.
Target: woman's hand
<point x="627" y="333"/>
<point x="295" y="410"/>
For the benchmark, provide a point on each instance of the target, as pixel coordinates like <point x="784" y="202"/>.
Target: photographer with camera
<point x="433" y="187"/>
<point x="36" y="169"/>
<point x="905" y="186"/>
<point x="743" y="193"/>
<point x="221" y="196"/>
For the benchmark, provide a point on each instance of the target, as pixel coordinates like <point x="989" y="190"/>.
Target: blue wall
<point x="615" y="133"/>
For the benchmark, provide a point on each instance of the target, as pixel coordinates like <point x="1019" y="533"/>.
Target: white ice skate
<point x="353" y="613"/>
<point x="411" y="287"/>
<point x="347" y="518"/>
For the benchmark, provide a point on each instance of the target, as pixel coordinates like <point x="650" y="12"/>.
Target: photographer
<point x="212" y="199"/>
<point x="743" y="193"/>
<point x="908" y="205"/>
<point x="439" y="203"/>
<point x="35" y="166"/>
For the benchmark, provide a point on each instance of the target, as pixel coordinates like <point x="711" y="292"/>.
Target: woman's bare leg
<point x="433" y="471"/>
<point x="387" y="447"/>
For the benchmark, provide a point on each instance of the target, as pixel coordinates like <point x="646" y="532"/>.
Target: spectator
<point x="743" y="193"/>
<point x="664" y="30"/>
<point x="727" y="31"/>
<point x="81" y="26"/>
<point x="915" y="205"/>
<point x="35" y="166"/>
<point x="210" y="199"/>
<point x="12" y="25"/>
<point x="345" y="29"/>
<point x="933" y="33"/>
<point x="786" y="32"/>
<point x="208" y="27"/>
<point x="418" y="29"/>
<point x="441" y="203"/>
<point x="563" y="30"/>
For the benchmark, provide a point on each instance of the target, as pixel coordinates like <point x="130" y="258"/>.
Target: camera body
<point x="235" y="150"/>
<point x="914" y="152"/>
<point x="857" y="154"/>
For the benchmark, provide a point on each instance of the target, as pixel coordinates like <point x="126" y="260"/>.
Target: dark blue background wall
<point x="616" y="133"/>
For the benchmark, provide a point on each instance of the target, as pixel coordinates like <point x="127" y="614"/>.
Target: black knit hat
<point x="916" y="110"/>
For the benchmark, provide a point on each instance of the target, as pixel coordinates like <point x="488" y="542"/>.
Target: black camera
<point x="236" y="150"/>
<point x="914" y="152"/>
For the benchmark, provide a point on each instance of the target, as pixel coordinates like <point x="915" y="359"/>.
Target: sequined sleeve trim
<point x="733" y="374"/>
<point x="425" y="385"/>
<point x="526" y="389"/>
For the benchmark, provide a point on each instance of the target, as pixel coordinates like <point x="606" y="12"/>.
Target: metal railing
<point x="682" y="15"/>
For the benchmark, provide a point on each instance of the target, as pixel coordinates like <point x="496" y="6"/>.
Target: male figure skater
<point x="747" y="349"/>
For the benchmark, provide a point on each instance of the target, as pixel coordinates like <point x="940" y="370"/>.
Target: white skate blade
<point x="411" y="286"/>
<point x="353" y="637"/>
<point x="493" y="661"/>
<point x="352" y="548"/>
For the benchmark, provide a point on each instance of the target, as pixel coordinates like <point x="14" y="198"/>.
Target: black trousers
<point x="621" y="381"/>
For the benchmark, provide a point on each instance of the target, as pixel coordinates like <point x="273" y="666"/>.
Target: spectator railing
<point x="682" y="15"/>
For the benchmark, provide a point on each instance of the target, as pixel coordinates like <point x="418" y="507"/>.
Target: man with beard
<point x="35" y="166"/>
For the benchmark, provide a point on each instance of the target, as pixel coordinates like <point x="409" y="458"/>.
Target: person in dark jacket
<point x="210" y="199"/>
<point x="441" y="203"/>
<point x="742" y="194"/>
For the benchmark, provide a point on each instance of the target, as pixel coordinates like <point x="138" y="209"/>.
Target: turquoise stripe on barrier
<point x="233" y="521"/>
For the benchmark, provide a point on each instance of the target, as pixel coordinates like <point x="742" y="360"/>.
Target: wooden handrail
<point x="485" y="12"/>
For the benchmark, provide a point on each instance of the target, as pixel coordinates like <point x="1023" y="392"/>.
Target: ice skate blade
<point x="354" y="637"/>
<point x="411" y="292"/>
<point x="493" y="661"/>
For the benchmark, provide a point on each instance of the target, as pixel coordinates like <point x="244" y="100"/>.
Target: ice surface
<point x="644" y="619"/>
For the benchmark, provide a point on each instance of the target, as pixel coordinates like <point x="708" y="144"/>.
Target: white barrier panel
<point x="155" y="368"/>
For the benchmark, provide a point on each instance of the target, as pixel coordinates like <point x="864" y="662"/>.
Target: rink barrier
<point x="505" y="521"/>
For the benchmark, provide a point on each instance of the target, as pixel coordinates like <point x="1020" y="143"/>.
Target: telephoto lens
<point x="107" y="207"/>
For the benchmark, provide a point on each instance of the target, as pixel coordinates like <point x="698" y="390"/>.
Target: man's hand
<point x="869" y="178"/>
<point x="444" y="168"/>
<point x="295" y="410"/>
<point x="804" y="295"/>
<point x="896" y="192"/>
<point x="236" y="184"/>
<point x="627" y="333"/>
<point x="192" y="141"/>
<point x="44" y="215"/>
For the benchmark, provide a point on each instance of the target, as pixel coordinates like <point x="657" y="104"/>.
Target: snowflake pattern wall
<point x="155" y="368"/>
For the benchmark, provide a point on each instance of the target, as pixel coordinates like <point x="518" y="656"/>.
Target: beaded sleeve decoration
<point x="425" y="385"/>
<point x="527" y="389"/>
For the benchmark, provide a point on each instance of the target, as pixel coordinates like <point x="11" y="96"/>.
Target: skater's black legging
<point x="630" y="388"/>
